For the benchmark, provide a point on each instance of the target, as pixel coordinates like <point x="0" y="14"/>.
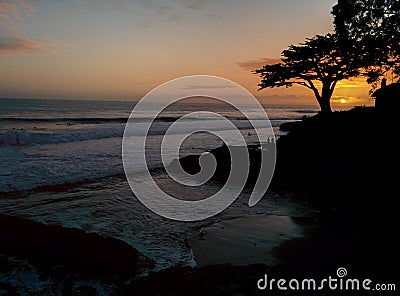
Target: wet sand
<point x="244" y="241"/>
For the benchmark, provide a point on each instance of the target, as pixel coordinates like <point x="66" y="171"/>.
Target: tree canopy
<point x="371" y="27"/>
<point x="318" y="64"/>
<point x="365" y="43"/>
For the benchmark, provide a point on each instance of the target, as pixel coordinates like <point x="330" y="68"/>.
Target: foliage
<point x="366" y="43"/>
<point x="371" y="27"/>
<point x="318" y="61"/>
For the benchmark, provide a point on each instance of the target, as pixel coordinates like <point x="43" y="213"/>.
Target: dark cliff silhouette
<point x="340" y="164"/>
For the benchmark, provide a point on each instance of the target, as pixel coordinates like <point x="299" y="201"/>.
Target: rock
<point x="53" y="244"/>
<point x="211" y="280"/>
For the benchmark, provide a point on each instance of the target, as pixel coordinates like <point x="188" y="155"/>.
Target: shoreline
<point x="39" y="257"/>
<point x="250" y="240"/>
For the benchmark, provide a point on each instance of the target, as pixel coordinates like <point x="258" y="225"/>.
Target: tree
<point x="318" y="64"/>
<point x="366" y="42"/>
<point x="371" y="27"/>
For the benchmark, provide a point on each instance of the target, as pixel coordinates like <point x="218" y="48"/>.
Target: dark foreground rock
<point x="222" y="154"/>
<point x="211" y="280"/>
<point x="49" y="245"/>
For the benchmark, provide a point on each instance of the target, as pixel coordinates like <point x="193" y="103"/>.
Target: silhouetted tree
<point x="366" y="42"/>
<point x="371" y="28"/>
<point x="318" y="64"/>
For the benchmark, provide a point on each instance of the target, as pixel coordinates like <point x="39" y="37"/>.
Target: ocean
<point x="60" y="163"/>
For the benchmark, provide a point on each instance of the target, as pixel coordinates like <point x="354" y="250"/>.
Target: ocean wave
<point x="22" y="137"/>
<point x="62" y="186"/>
<point x="283" y="119"/>
<point x="101" y="120"/>
<point x="55" y="187"/>
<point x="93" y="120"/>
<point x="307" y="111"/>
<point x="16" y="137"/>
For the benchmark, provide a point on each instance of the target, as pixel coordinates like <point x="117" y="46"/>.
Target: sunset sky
<point x="119" y="50"/>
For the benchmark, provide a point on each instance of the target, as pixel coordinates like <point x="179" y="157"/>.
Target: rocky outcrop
<point x="73" y="248"/>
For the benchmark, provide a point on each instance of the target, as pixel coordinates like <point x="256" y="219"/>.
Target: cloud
<point x="174" y="17"/>
<point x="346" y="98"/>
<point x="194" y="87"/>
<point x="285" y="99"/>
<point x="12" y="12"/>
<point x="172" y="12"/>
<point x="196" y="4"/>
<point x="257" y="64"/>
<point x="213" y="16"/>
<point x="18" y="44"/>
<point x="148" y="83"/>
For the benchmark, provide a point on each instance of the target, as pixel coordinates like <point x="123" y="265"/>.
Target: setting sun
<point x="343" y="101"/>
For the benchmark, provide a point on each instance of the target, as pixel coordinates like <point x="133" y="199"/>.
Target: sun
<point x="343" y="101"/>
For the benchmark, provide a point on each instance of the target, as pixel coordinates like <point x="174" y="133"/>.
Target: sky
<point x="120" y="49"/>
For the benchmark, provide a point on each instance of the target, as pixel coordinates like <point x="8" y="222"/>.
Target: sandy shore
<point x="244" y="241"/>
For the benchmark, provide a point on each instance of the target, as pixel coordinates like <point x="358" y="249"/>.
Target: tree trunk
<point x="325" y="104"/>
<point x="324" y="100"/>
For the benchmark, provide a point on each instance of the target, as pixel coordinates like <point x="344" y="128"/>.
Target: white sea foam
<point x="58" y="150"/>
<point x="24" y="137"/>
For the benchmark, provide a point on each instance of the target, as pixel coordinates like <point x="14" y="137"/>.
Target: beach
<point x="290" y="231"/>
<point x="244" y="241"/>
<point x="63" y="167"/>
<point x="199" y="147"/>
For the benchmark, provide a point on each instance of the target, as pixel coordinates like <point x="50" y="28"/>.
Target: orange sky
<point x="118" y="50"/>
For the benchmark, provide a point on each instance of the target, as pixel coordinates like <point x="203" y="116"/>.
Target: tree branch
<point x="314" y="89"/>
<point x="332" y="88"/>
